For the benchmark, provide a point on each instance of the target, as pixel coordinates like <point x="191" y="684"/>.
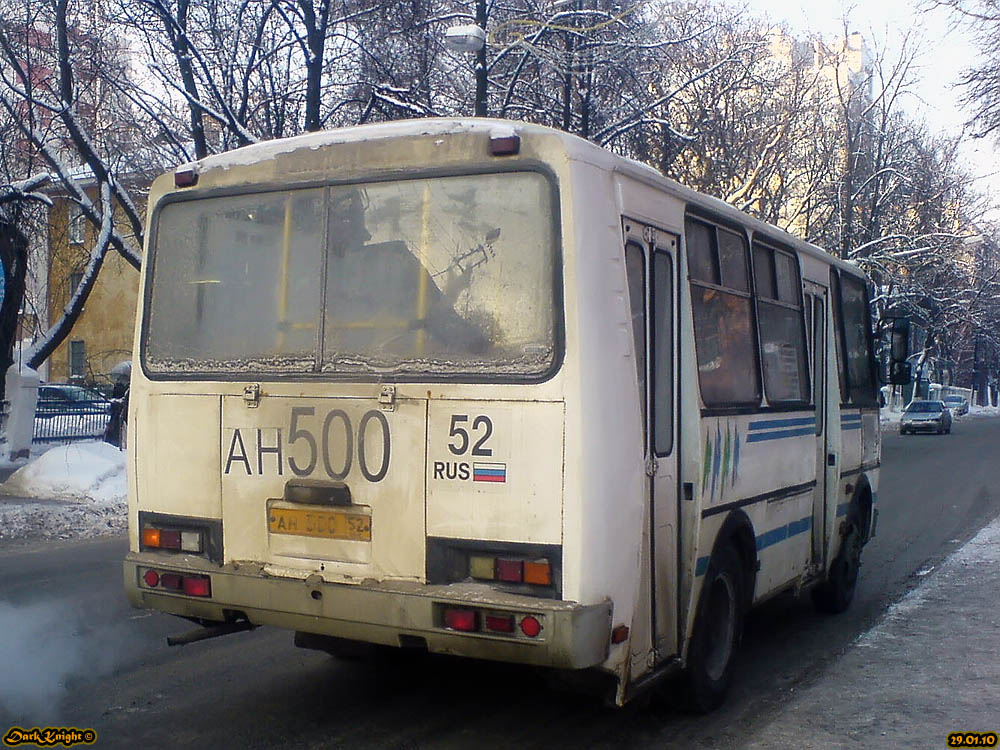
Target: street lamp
<point x="472" y="38"/>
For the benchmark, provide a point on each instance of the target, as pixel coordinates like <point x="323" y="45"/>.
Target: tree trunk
<point x="14" y="254"/>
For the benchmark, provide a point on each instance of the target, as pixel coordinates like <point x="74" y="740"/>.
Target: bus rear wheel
<point x="716" y="631"/>
<point x="836" y="593"/>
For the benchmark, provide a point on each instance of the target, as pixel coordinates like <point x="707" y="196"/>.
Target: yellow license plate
<point x="324" y="524"/>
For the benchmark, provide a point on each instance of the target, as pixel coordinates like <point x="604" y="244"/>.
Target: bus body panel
<point x="494" y="471"/>
<point x="181" y="429"/>
<point x="334" y="439"/>
<point x="604" y="480"/>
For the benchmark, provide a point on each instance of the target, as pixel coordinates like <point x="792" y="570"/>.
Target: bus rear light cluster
<point x="176" y="540"/>
<point x="468" y="620"/>
<point x="179" y="583"/>
<point x="510" y="570"/>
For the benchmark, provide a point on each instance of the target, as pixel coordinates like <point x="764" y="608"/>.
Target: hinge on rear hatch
<point x="387" y="398"/>
<point x="651" y="467"/>
<point x="251" y="395"/>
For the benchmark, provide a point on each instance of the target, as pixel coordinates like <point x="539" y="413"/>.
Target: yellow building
<point x="102" y="336"/>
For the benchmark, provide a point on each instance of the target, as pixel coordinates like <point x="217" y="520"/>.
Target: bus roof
<point x="577" y="148"/>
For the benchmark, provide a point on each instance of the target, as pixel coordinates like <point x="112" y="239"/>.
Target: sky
<point x="947" y="51"/>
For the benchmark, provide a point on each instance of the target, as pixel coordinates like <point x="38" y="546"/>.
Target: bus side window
<point x="838" y="332"/>
<point x="635" y="273"/>
<point x="779" y="320"/>
<point x="857" y="340"/>
<point x="721" y="305"/>
<point x="663" y="353"/>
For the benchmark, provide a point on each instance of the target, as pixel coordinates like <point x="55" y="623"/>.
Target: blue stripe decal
<point x="842" y="509"/>
<point x="774" y="423"/>
<point x="849" y="427"/>
<point x="756" y="437"/>
<point x="850" y="418"/>
<point x="767" y="539"/>
<point x="701" y="566"/>
<point x="773" y="536"/>
<point x="799" y="527"/>
<point x="782" y="533"/>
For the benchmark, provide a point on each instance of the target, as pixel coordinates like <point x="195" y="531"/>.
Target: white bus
<point x="484" y="388"/>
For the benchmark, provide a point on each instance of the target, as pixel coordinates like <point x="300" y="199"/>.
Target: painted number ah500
<point x="328" y="441"/>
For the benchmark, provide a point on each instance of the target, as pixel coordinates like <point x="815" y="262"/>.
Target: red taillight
<point x="505" y="145"/>
<point x="197" y="586"/>
<point x="170" y="539"/>
<point x="500" y="623"/>
<point x="185" y="176"/>
<point x="460" y="619"/>
<point x="152" y="578"/>
<point x="530" y="626"/>
<point x="172" y="581"/>
<point x="511" y="571"/>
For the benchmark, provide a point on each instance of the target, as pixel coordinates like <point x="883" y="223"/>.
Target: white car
<point x="957" y="405"/>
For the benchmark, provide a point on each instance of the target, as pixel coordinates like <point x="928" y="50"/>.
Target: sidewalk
<point x="931" y="667"/>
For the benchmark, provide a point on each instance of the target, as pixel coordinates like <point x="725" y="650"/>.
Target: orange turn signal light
<point x="150" y="537"/>
<point x="537" y="572"/>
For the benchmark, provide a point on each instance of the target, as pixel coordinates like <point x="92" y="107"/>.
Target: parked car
<point x="957" y="405"/>
<point x="67" y="412"/>
<point x="926" y="416"/>
<point x="59" y="398"/>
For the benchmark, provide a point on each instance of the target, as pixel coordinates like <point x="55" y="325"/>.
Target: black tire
<point x="836" y="593"/>
<point x="717" y="631"/>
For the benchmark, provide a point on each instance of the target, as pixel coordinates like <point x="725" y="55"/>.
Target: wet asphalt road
<point x="73" y="653"/>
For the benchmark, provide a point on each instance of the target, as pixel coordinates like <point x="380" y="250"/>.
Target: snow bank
<point x="71" y="491"/>
<point x="86" y="472"/>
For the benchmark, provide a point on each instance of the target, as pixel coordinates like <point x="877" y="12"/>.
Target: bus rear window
<point x="409" y="278"/>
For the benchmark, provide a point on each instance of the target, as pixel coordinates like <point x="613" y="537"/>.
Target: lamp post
<point x="472" y="38"/>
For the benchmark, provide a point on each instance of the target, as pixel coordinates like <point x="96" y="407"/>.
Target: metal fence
<point x="77" y="420"/>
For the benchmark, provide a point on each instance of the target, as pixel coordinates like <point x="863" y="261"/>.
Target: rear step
<point x="348" y="650"/>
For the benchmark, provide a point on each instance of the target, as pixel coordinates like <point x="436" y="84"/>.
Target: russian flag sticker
<point x="482" y="472"/>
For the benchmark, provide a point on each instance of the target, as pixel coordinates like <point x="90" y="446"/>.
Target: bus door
<point x="817" y="331"/>
<point x="650" y="261"/>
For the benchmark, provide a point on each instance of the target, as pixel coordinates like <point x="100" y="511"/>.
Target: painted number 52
<point x="462" y="436"/>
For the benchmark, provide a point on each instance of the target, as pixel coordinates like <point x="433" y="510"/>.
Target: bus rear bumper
<point x="572" y="636"/>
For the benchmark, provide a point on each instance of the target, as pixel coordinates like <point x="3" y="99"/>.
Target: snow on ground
<point x="67" y="492"/>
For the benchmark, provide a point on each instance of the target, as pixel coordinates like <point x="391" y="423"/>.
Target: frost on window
<point x="447" y="275"/>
